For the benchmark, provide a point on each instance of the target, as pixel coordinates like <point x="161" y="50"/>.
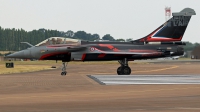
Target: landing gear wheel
<point x="126" y="70"/>
<point x="63" y="73"/>
<point x="119" y="72"/>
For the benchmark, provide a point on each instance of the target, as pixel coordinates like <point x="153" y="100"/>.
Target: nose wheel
<point x="124" y="69"/>
<point x="64" y="68"/>
<point x="63" y="73"/>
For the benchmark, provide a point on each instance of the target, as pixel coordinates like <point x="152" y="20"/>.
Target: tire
<point x="62" y="73"/>
<point x="126" y="70"/>
<point x="119" y="72"/>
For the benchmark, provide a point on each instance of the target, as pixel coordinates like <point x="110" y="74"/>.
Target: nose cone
<point x="19" y="54"/>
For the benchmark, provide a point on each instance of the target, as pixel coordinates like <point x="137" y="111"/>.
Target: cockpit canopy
<point x="59" y="40"/>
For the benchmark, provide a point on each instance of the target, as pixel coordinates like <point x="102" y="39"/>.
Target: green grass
<point x="183" y="58"/>
<point x="26" y="66"/>
<point x="30" y="62"/>
<point x="23" y="68"/>
<point x="30" y="66"/>
<point x="5" y="52"/>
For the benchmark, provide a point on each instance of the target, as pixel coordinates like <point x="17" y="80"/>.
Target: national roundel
<point x="92" y="49"/>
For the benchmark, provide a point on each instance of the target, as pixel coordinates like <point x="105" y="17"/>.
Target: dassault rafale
<point x="165" y="41"/>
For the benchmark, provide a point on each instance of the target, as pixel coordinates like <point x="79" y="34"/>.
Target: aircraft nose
<point x="19" y="54"/>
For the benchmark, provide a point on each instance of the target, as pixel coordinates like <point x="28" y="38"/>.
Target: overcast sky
<point x="119" y="18"/>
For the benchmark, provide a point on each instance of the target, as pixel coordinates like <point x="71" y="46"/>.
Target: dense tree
<point x="10" y="38"/>
<point x="81" y="35"/>
<point x="108" y="37"/>
<point x="86" y="36"/>
<point x="129" y="39"/>
<point x="120" y="40"/>
<point x="95" y="37"/>
<point x="190" y="46"/>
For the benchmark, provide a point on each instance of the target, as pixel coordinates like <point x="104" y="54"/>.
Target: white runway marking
<point x="146" y="79"/>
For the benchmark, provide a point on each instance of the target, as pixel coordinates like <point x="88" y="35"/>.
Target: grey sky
<point x="120" y="18"/>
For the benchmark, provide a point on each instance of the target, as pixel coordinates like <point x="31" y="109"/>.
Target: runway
<point x="145" y="79"/>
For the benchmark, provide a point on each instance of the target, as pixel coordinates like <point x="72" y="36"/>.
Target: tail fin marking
<point x="172" y="30"/>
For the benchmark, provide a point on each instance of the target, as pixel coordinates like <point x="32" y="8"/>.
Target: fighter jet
<point x="163" y="42"/>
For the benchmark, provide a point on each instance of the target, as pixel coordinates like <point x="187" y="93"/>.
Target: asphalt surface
<point x="48" y="91"/>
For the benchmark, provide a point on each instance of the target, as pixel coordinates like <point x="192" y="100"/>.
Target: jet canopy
<point x="59" y="40"/>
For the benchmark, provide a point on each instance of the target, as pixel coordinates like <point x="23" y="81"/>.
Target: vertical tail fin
<point x="172" y="30"/>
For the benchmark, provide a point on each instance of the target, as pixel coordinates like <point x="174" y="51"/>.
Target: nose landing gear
<point x="124" y="69"/>
<point x="64" y="68"/>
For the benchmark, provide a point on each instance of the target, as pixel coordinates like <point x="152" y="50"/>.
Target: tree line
<point x="10" y="38"/>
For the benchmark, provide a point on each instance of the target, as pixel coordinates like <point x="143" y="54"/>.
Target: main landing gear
<point x="64" y="68"/>
<point x="124" y="69"/>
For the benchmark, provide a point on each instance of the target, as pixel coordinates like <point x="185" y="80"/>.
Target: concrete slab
<point x="145" y="79"/>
